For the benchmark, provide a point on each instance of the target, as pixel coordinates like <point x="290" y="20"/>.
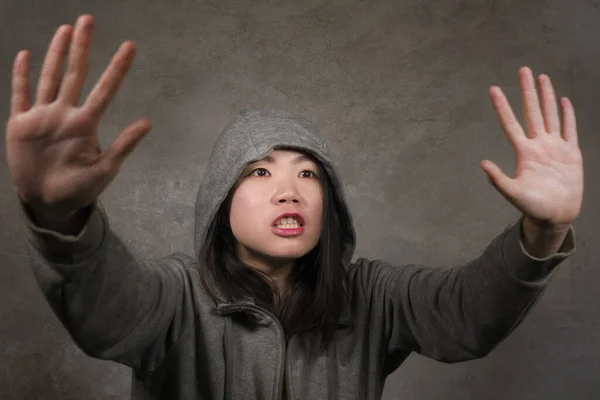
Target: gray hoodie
<point x="154" y="316"/>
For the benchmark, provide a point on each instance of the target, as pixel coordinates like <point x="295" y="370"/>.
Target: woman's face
<point x="285" y="181"/>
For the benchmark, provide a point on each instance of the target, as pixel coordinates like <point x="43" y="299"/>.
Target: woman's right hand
<point x="52" y="148"/>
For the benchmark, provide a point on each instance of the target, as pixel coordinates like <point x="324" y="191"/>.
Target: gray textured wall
<point x="399" y="88"/>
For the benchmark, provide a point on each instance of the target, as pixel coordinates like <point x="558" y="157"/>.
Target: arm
<point x="459" y="313"/>
<point x="454" y="314"/>
<point x="113" y="306"/>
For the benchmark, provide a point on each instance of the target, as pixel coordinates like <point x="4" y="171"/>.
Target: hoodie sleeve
<point x="454" y="314"/>
<point x="114" y="306"/>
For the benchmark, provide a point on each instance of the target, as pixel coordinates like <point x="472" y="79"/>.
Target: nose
<point x="286" y="191"/>
<point x="287" y="197"/>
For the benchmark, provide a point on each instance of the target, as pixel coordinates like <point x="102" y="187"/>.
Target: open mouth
<point x="287" y="227"/>
<point x="288" y="223"/>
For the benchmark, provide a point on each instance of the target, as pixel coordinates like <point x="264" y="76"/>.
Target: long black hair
<point x="317" y="294"/>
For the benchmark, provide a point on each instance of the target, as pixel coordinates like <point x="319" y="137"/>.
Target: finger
<point x="21" y="94"/>
<point x="531" y="106"/>
<point x="549" y="106"/>
<point x="506" y="116"/>
<point x="51" y="74"/>
<point x="499" y="180"/>
<point x="569" y="128"/>
<point x="78" y="60"/>
<point x="110" y="81"/>
<point x="126" y="141"/>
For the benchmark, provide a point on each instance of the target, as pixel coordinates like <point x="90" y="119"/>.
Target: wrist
<point x="65" y="222"/>
<point x="546" y="228"/>
<point x="542" y="241"/>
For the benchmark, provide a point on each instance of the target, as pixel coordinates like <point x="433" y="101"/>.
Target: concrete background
<point x="399" y="88"/>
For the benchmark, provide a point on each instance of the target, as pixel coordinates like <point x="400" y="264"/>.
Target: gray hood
<point x="251" y="136"/>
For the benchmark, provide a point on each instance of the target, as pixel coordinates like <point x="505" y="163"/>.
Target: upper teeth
<point x="287" y="220"/>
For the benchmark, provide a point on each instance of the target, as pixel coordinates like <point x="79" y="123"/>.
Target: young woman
<point x="271" y="304"/>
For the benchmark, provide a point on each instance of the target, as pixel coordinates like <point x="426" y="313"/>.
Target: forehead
<point x="286" y="156"/>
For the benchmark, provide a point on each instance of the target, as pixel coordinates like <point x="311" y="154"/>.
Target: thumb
<point x="127" y="141"/>
<point x="498" y="179"/>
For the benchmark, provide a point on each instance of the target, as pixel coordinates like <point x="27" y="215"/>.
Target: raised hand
<point x="52" y="147"/>
<point x="548" y="183"/>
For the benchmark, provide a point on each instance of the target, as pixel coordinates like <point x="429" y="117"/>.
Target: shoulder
<point x="187" y="264"/>
<point x="363" y="270"/>
<point x="203" y="302"/>
<point x="377" y="277"/>
<point x="362" y="274"/>
<point x="184" y="259"/>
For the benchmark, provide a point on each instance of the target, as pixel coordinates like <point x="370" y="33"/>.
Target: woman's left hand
<point x="548" y="186"/>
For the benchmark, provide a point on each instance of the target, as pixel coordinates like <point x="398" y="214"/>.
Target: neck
<point x="277" y="269"/>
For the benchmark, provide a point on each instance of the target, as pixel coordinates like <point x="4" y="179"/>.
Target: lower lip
<point x="288" y="232"/>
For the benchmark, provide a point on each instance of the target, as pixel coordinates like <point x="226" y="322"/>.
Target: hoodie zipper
<point x="281" y="376"/>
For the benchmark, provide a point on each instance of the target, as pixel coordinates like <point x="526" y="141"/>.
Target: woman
<point x="271" y="305"/>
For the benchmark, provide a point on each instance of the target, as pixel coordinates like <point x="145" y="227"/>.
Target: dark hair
<point x="317" y="294"/>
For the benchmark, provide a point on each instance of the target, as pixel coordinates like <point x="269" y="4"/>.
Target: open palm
<point x="548" y="182"/>
<point x="52" y="146"/>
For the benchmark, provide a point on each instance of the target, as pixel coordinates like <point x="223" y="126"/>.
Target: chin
<point x="278" y="251"/>
<point x="286" y="251"/>
<point x="287" y="255"/>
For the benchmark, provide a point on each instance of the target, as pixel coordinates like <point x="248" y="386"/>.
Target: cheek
<point x="244" y="212"/>
<point x="317" y="211"/>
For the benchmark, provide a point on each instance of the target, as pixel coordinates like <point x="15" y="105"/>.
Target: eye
<point x="311" y="172"/>
<point x="258" y="169"/>
<point x="314" y="175"/>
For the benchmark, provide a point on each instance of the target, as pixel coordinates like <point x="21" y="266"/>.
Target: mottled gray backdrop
<point x="399" y="88"/>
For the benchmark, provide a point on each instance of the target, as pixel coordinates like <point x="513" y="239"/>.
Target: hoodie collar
<point x="262" y="317"/>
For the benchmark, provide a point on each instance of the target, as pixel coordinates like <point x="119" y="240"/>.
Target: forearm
<point x="115" y="306"/>
<point x="460" y="313"/>
<point x="541" y="243"/>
